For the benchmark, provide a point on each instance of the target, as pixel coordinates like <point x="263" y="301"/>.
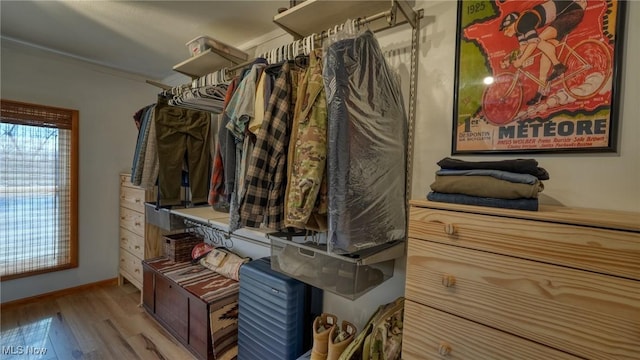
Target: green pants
<point x="183" y="138"/>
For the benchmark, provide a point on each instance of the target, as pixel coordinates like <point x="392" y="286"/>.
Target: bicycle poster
<point x="537" y="76"/>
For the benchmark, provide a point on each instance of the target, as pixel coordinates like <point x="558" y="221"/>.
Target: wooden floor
<point x="102" y="322"/>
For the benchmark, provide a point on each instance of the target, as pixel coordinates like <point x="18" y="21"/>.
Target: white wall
<point x="608" y="181"/>
<point x="106" y="101"/>
<point x="599" y="180"/>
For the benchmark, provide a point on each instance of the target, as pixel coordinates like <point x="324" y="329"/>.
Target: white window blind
<point x="38" y="189"/>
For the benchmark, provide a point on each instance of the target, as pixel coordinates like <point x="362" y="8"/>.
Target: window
<point x="38" y="189"/>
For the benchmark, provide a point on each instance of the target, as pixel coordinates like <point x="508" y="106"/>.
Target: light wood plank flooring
<point x="101" y="322"/>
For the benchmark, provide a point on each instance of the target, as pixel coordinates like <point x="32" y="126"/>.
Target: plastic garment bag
<point x="367" y="132"/>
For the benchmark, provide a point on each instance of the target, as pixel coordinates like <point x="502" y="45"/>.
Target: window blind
<point x="38" y="189"/>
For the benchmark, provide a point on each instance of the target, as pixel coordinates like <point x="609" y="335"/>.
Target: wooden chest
<point x="206" y="325"/>
<point x="488" y="283"/>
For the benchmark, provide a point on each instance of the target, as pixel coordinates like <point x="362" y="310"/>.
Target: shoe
<point x="558" y="69"/>
<point x="340" y="338"/>
<point x="322" y="327"/>
<point x="536" y="99"/>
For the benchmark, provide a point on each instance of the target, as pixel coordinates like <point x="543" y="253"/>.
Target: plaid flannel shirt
<point x="266" y="176"/>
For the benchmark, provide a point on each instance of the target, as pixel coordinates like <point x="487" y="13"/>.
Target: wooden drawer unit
<point x="452" y="337"/>
<point x="138" y="240"/>
<point x="131" y="266"/>
<point x="562" y="279"/>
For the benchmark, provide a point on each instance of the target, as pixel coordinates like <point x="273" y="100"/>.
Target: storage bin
<point x="203" y="43"/>
<point x="177" y="247"/>
<point x="163" y="218"/>
<point x="349" y="277"/>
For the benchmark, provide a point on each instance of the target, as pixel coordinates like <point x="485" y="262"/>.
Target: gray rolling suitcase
<point x="275" y="315"/>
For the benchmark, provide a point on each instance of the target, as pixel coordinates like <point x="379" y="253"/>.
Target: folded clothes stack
<point x="509" y="184"/>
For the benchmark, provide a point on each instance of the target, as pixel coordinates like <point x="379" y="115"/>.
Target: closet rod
<point x="325" y="34"/>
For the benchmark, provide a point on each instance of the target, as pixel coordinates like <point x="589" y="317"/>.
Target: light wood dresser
<point x="489" y="283"/>
<point x="138" y="240"/>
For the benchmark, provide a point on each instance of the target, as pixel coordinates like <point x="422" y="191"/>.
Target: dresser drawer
<point x="131" y="266"/>
<point x="584" y="313"/>
<point x="132" y="221"/>
<point x="600" y="250"/>
<point x="132" y="243"/>
<point x="432" y="334"/>
<point x="132" y="198"/>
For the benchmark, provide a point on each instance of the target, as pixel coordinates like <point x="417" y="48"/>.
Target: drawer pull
<point x="137" y="201"/>
<point x="137" y="223"/>
<point x="137" y="270"/>
<point x="448" y="280"/>
<point x="137" y="247"/>
<point x="444" y="349"/>
<point x="449" y="229"/>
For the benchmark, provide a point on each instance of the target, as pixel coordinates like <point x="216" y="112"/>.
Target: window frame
<point x="21" y="118"/>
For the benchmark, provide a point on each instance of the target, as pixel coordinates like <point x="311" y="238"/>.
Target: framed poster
<point x="537" y="76"/>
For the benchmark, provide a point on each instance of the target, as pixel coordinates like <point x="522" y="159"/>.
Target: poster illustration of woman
<point x="537" y="76"/>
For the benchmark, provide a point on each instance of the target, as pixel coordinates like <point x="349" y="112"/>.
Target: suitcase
<point x="276" y="313"/>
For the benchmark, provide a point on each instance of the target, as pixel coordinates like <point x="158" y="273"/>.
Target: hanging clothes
<point x="265" y="182"/>
<point x="151" y="166"/>
<point x="240" y="112"/>
<point x="225" y="164"/>
<point x="182" y="136"/>
<point x="142" y="117"/>
<point x="367" y="129"/>
<point x="306" y="190"/>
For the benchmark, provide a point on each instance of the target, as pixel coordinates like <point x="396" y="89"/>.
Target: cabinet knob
<point x="136" y="270"/>
<point x="137" y="201"/>
<point x="448" y="280"/>
<point x="137" y="223"/>
<point x="449" y="229"/>
<point x="444" y="349"/>
<point x="137" y="247"/>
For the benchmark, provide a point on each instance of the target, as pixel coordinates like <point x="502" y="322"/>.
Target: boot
<point x="322" y="326"/>
<point x="340" y="338"/>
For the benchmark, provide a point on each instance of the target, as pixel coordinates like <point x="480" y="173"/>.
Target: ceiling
<point x="146" y="38"/>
